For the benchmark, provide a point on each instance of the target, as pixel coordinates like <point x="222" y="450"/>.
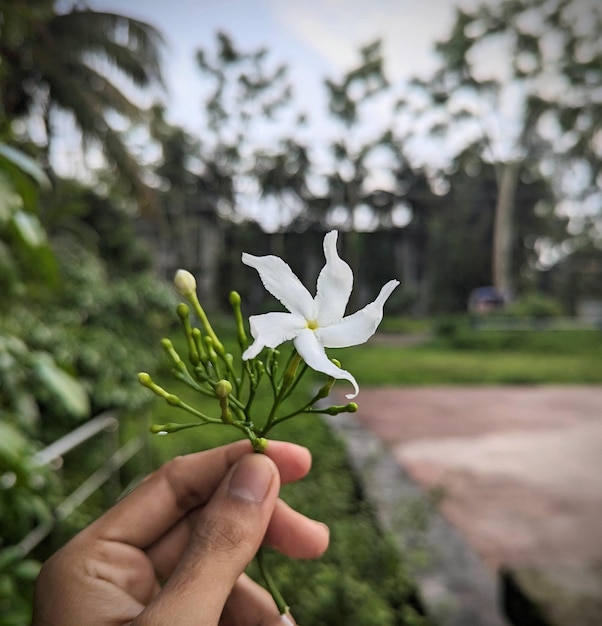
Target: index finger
<point x="183" y="484"/>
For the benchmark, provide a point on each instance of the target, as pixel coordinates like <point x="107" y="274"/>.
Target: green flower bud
<point x="172" y="399"/>
<point x="340" y="408"/>
<point x="145" y="379"/>
<point x="183" y="311"/>
<point x="235" y="302"/>
<point x="172" y="427"/>
<point x="223" y="388"/>
<point x="260" y="444"/>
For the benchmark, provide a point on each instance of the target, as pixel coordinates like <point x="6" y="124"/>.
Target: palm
<point x="59" y="61"/>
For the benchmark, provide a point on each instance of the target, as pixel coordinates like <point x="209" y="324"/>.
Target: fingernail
<point x="252" y="478"/>
<point x="286" y="621"/>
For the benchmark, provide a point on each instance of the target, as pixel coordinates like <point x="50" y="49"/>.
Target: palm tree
<point x="77" y="62"/>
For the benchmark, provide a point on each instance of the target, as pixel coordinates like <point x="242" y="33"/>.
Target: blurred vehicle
<point x="483" y="300"/>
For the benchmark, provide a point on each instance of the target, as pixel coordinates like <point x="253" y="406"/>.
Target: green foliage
<point x="536" y="306"/>
<point x="24" y="247"/>
<point x="583" y="343"/>
<point x="26" y="494"/>
<point x="16" y="580"/>
<point x="22" y="485"/>
<point x="73" y="331"/>
<point x="362" y="579"/>
<point x="75" y="352"/>
<point x="99" y="223"/>
<point x="63" y="358"/>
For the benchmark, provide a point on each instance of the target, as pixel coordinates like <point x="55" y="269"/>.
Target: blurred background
<point x="456" y="146"/>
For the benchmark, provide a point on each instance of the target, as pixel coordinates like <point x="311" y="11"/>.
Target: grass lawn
<point x="479" y="358"/>
<point x="396" y="365"/>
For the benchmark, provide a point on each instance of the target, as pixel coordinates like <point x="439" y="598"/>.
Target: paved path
<point x="519" y="469"/>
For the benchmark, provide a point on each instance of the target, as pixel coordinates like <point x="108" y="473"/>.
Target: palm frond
<point x="130" y="46"/>
<point x="103" y="96"/>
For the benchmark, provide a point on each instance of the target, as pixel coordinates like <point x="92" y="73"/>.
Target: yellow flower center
<point x="312" y="324"/>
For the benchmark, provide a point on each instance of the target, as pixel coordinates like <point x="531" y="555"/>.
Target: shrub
<point x="534" y="305"/>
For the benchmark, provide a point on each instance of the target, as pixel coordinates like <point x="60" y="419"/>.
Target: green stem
<point x="198" y="309"/>
<point x="188" y="380"/>
<point x="291" y="388"/>
<point x="283" y="608"/>
<point x="288" y="380"/>
<point x="173" y="400"/>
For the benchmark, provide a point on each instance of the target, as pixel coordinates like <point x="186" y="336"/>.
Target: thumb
<point x="224" y="538"/>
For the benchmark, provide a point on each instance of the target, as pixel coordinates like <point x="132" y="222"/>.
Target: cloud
<point x="336" y="29"/>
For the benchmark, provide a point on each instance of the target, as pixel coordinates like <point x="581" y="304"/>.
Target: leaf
<point x="62" y="386"/>
<point x="34" y="252"/>
<point x="12" y="446"/>
<point x="27" y="570"/>
<point x="10" y="200"/>
<point x="25" y="163"/>
<point x="29" y="230"/>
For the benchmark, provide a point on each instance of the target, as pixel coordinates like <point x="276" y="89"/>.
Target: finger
<point x="289" y="532"/>
<point x="183" y="484"/>
<point x="295" y="535"/>
<point x="250" y="604"/>
<point x="226" y="536"/>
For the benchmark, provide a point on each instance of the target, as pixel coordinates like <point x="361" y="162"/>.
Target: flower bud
<point x="223" y="388"/>
<point x="260" y="444"/>
<point x="172" y="399"/>
<point x="183" y="311"/>
<point x="185" y="283"/>
<point x="145" y="379"/>
<point x="165" y="429"/>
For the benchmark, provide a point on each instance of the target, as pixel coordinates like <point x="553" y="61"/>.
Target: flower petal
<point x="359" y="327"/>
<point x="278" y="278"/>
<point x="312" y="352"/>
<point x="270" y="330"/>
<point x="334" y="284"/>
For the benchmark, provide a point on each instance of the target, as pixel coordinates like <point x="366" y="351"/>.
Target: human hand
<point x="195" y="523"/>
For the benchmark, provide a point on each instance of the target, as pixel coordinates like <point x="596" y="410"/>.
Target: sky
<point x="316" y="38"/>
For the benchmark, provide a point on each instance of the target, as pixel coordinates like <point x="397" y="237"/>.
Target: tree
<point x="349" y="190"/>
<point x="187" y="231"/>
<point x="76" y="62"/>
<point x="249" y="137"/>
<point x="351" y="150"/>
<point x="25" y="252"/>
<point x="371" y="183"/>
<point x="534" y="112"/>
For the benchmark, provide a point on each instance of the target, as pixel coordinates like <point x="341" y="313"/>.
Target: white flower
<point x="185" y="282"/>
<point x="314" y="323"/>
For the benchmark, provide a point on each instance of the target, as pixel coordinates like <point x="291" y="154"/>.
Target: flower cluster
<point x="313" y="324"/>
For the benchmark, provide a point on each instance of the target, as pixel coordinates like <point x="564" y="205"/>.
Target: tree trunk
<point x="503" y="228"/>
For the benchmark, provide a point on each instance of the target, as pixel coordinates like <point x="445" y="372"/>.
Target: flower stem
<point x="288" y="380"/>
<point x="198" y="309"/>
<point x="283" y="608"/>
